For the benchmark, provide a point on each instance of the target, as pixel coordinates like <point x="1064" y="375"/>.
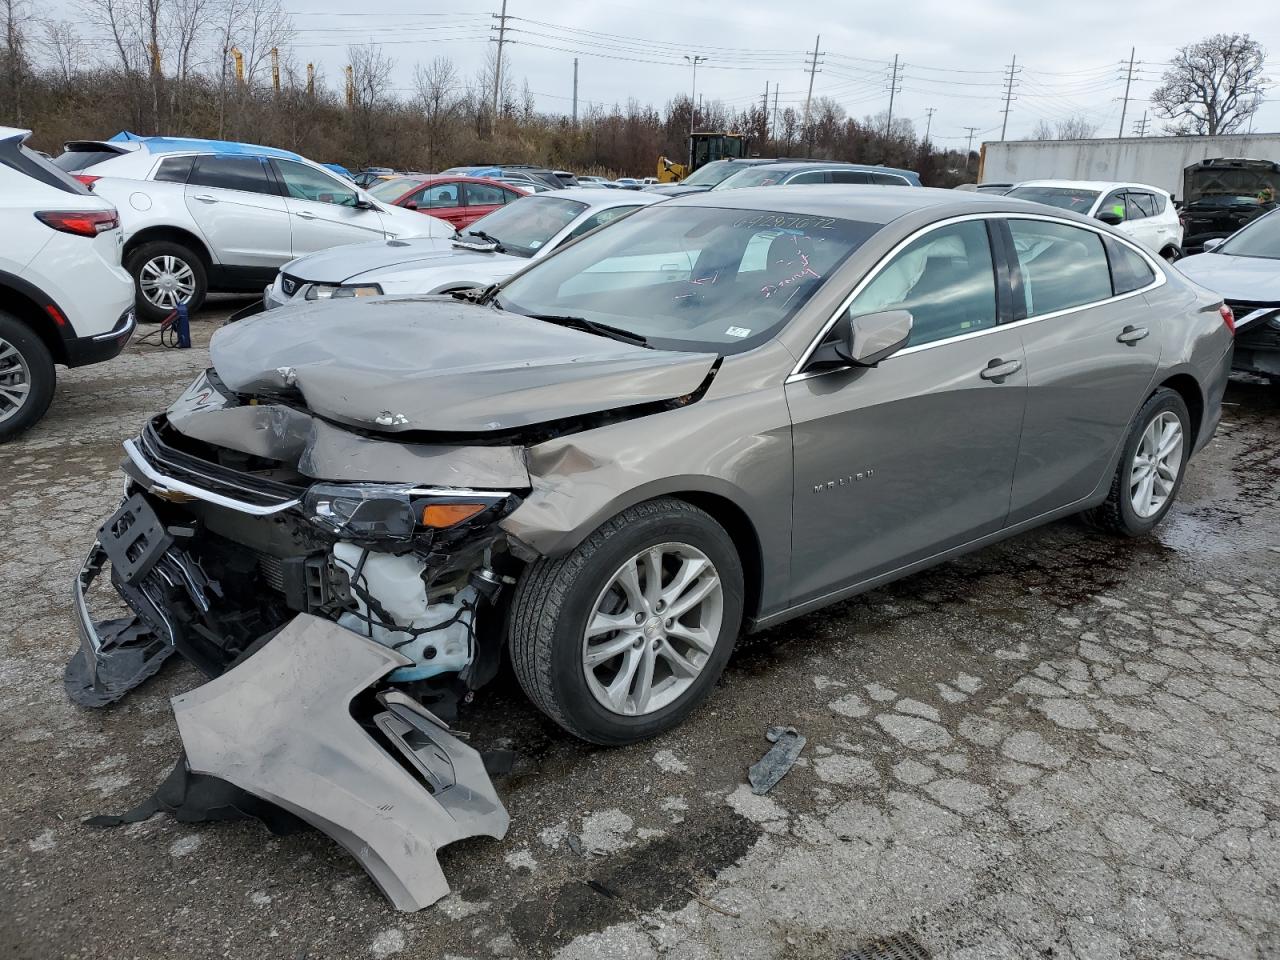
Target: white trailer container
<point x="1158" y="161"/>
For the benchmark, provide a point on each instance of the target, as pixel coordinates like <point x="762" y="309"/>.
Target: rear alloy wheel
<point x="623" y="637"/>
<point x="1151" y="468"/>
<point x="27" y="377"/>
<point x="166" y="274"/>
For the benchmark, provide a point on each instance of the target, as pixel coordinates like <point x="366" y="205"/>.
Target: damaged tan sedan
<point x="717" y="413"/>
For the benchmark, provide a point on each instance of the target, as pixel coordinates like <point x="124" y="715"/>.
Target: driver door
<point x="896" y="463"/>
<point x="322" y="210"/>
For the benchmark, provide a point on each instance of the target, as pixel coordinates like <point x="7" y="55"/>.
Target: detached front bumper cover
<point x="279" y="725"/>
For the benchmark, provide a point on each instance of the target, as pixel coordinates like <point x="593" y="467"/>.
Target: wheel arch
<point x="29" y="304"/>
<point x="173" y="235"/>
<point x="1187" y="387"/>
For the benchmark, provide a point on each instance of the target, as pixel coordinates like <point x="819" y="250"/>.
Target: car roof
<point x="131" y="141"/>
<point x="868" y="203"/>
<point x="793" y="166"/>
<point x="602" y="196"/>
<point x="1100" y="185"/>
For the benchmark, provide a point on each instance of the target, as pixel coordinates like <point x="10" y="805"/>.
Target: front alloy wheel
<point x="653" y="629"/>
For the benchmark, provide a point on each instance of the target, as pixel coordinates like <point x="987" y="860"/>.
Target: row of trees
<point x="223" y="69"/>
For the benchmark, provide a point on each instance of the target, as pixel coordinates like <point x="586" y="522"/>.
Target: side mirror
<point x="1111" y="217"/>
<point x="866" y="340"/>
<point x="1213" y="243"/>
<point x="363" y="204"/>
<point x="411" y="205"/>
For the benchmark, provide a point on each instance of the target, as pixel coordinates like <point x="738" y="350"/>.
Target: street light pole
<point x="693" y="99"/>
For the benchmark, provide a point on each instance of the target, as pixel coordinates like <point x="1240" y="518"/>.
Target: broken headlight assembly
<point x="331" y="291"/>
<point x="391" y="512"/>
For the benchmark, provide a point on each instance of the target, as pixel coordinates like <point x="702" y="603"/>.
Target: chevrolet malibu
<point x="724" y="411"/>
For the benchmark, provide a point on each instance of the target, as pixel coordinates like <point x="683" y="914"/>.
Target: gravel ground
<point x="1065" y="746"/>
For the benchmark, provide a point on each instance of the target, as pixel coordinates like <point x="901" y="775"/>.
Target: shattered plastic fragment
<point x="773" y="766"/>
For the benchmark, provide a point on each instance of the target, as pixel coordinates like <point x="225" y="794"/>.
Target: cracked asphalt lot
<point x="1065" y="746"/>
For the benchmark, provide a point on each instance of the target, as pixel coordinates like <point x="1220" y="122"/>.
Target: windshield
<point x="713" y="173"/>
<point x="1067" y="198"/>
<point x="1259" y="239"/>
<point x="391" y="190"/>
<point x="1224" y="200"/>
<point x="760" y="175"/>
<point x="523" y="227"/>
<point x="691" y="278"/>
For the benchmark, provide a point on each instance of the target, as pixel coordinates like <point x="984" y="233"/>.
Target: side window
<point x="945" y="278"/>
<point x="888" y="180"/>
<point x="1113" y="202"/>
<point x="850" y="176"/>
<point x="1159" y="203"/>
<point x="232" y="173"/>
<point x="301" y="182"/>
<point x="817" y="176"/>
<point x="1140" y="205"/>
<point x="440" y="195"/>
<point x="483" y="195"/>
<point x="1129" y="271"/>
<point x="174" y="169"/>
<point x="597" y="220"/>
<point x="1062" y="266"/>
<point x="509" y="196"/>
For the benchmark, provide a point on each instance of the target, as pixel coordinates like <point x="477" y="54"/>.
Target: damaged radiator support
<point x="279" y="725"/>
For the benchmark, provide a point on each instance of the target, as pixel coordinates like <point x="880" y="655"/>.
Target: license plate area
<point x="134" y="539"/>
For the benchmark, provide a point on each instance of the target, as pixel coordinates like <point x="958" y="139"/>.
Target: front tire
<point x="1151" y="467"/>
<point x="622" y="638"/>
<point x="166" y="274"/>
<point x="27" y="377"/>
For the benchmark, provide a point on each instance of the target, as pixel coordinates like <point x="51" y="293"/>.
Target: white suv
<point x="201" y="215"/>
<point x="64" y="297"/>
<point x="1143" y="212"/>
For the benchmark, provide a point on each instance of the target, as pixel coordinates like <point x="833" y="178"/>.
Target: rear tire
<point x="27" y="377"/>
<point x="1171" y="254"/>
<point x="1146" y="483"/>
<point x="566" y="672"/>
<point x="156" y="265"/>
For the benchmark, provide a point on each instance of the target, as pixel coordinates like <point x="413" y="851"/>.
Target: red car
<point x="459" y="200"/>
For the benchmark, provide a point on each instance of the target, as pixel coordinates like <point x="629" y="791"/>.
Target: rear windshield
<point x="1066" y="198"/>
<point x="715" y="172"/>
<point x="75" y="159"/>
<point x="26" y="161"/>
<point x="763" y="175"/>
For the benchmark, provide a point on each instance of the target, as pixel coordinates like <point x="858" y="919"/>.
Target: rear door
<point x="322" y="209"/>
<point x="237" y="206"/>
<point x="1091" y="358"/>
<point x="898" y="462"/>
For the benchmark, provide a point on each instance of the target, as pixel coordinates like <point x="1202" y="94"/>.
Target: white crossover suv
<point x="64" y="298"/>
<point x="202" y="215"/>
<point x="1143" y="212"/>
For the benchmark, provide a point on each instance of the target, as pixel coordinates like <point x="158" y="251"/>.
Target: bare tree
<point x="438" y="99"/>
<point x="14" y="55"/>
<point x="1213" y="86"/>
<point x="370" y="81"/>
<point x="1078" y="127"/>
<point x="64" y="47"/>
<point x="1041" y="131"/>
<point x="185" y="27"/>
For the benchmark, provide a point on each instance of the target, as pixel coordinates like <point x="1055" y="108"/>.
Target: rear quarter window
<point x="174" y="169"/>
<point x="1129" y="271"/>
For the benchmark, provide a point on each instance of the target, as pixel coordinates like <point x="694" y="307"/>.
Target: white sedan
<point x="486" y="252"/>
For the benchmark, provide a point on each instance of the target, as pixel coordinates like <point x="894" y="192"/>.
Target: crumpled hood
<point x="1235" y="278"/>
<point x="340" y="264"/>
<point x="439" y="364"/>
<point x="421" y="273"/>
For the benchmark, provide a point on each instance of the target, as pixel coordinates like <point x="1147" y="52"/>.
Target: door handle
<point x="305" y="215"/>
<point x="205" y="198"/>
<point x="998" y="369"/>
<point x="1132" y="335"/>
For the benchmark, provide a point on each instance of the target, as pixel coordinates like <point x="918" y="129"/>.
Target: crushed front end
<point x="242" y="563"/>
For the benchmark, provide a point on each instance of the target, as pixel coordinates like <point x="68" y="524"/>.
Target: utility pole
<point x="773" y="127"/>
<point x="968" y="150"/>
<point x="497" y="71"/>
<point x="1124" y="104"/>
<point x="575" y="91"/>
<point x="695" y="59"/>
<point x="275" y="70"/>
<point x="1008" y="94"/>
<point x="812" y="70"/>
<point x="1140" y="126"/>
<point x="928" y="123"/>
<point x="893" y="89"/>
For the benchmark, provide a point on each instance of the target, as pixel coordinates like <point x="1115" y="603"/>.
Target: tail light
<point x="83" y="223"/>
<point x="86" y="179"/>
<point x="1228" y="317"/>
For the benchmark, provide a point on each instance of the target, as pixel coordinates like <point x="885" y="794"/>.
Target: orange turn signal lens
<point x="441" y="515"/>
